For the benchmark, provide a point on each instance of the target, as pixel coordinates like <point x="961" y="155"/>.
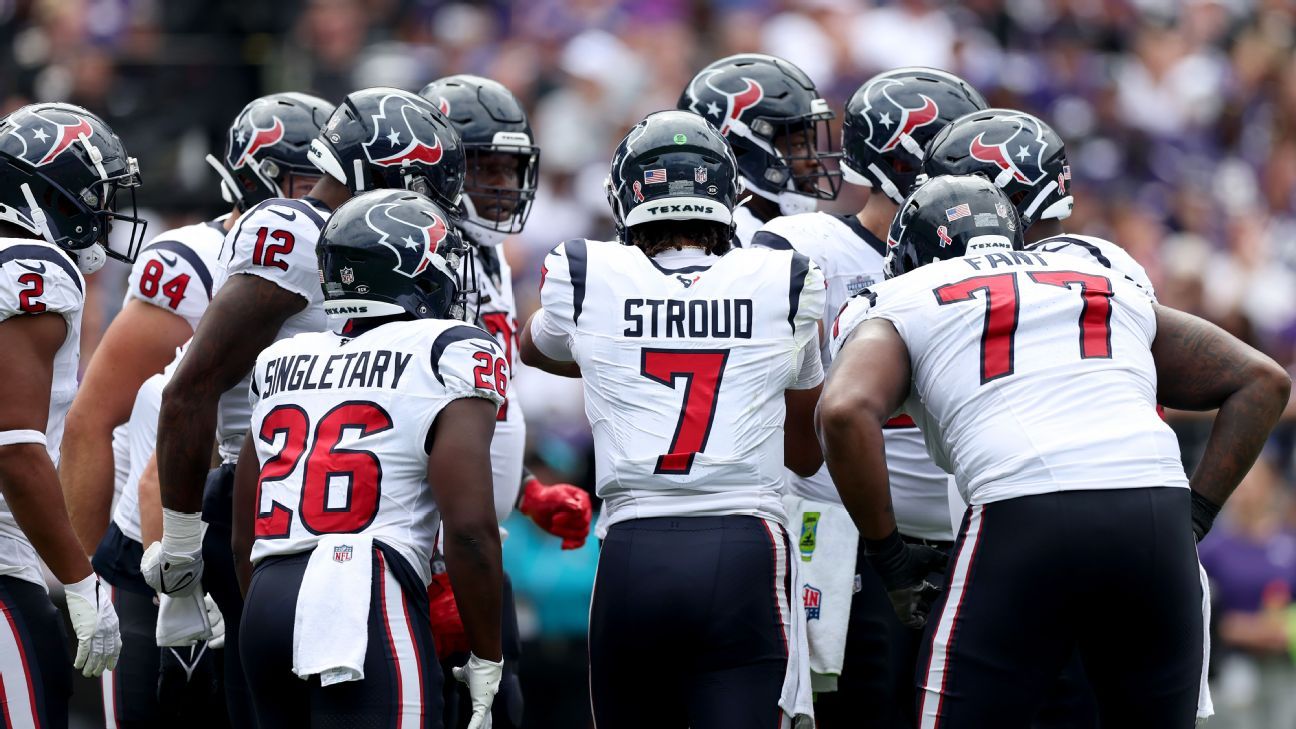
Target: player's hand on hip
<point x="561" y="509"/>
<point x="483" y="680"/>
<point x="175" y="574"/>
<point x="904" y="569"/>
<point x="98" y="633"/>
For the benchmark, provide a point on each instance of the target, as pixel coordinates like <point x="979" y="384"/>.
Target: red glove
<point x="448" y="632"/>
<point x="561" y="509"/>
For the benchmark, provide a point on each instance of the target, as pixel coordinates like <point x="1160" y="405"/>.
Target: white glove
<point x="95" y="622"/>
<point x="174" y="566"/>
<point x="217" y="622"/>
<point x="483" y="680"/>
<point x="177" y="575"/>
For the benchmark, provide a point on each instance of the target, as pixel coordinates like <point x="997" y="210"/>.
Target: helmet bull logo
<point x="259" y="139"/>
<point x="736" y="101"/>
<point x="394" y="141"/>
<point x="1022" y="153"/>
<point x="44" y="142"/>
<point x="415" y="242"/>
<point x="888" y="120"/>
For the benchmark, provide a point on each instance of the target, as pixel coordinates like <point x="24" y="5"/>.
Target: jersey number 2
<point x="1001" y="303"/>
<point x="701" y="370"/>
<point x="27" y="297"/>
<point x="328" y="468"/>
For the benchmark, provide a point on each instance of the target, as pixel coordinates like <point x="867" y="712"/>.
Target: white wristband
<point x="85" y="588"/>
<point x="14" y="437"/>
<point x="181" y="531"/>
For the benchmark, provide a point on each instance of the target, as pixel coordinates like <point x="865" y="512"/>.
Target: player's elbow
<point x="19" y="462"/>
<point x="1272" y="380"/>
<point x="804" y="458"/>
<point x="841" y="413"/>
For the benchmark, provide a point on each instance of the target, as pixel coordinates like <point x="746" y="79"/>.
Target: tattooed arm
<point x="241" y="321"/>
<point x="868" y="382"/>
<point x="1202" y="367"/>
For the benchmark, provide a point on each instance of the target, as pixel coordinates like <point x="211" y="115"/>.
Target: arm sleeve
<point x="171" y="276"/>
<point x="554" y="326"/>
<point x="856" y="310"/>
<point x="276" y="241"/>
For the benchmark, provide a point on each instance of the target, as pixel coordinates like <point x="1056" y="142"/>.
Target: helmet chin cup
<point x="229" y="188"/>
<point x="89" y="260"/>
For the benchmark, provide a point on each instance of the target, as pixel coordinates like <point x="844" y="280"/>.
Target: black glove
<point x="904" y="569"/>
<point x="1203" y="515"/>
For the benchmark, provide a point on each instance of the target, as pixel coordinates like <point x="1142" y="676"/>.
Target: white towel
<point x="827" y="546"/>
<point x="331" y="627"/>
<point x="1205" y="707"/>
<point x="182" y="621"/>
<point x="796" y="699"/>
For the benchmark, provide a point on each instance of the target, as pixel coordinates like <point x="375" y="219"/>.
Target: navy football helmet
<point x="1015" y="150"/>
<point x="673" y="165"/>
<point x="950" y="217"/>
<point x="892" y="117"/>
<point x="491" y="122"/>
<point x="62" y="175"/>
<point x="389" y="138"/>
<point x="777" y="124"/>
<point x="393" y="252"/>
<point x="267" y="145"/>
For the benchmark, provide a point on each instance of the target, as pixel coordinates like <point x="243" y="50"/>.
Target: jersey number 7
<point x="1001" y="304"/>
<point x="701" y="370"/>
<point x="325" y="463"/>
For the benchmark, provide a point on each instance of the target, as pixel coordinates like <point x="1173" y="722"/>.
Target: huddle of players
<point x="701" y="384"/>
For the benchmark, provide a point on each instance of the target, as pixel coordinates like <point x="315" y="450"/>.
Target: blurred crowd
<point x="1179" y="118"/>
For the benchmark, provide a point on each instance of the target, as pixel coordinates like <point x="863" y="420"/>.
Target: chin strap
<point x="38" y="218"/>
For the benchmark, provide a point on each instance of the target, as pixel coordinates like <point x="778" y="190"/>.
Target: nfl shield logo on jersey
<point x="348" y="275"/>
<point x="813" y="598"/>
<point x="342" y="553"/>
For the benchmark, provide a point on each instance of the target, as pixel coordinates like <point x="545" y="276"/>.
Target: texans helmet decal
<point x="414" y="236"/>
<point x="889" y="121"/>
<point x="55" y="132"/>
<point x="443" y="105"/>
<point x="394" y="142"/>
<point x="259" y="139"/>
<point x="736" y="101"/>
<point x="1022" y="153"/>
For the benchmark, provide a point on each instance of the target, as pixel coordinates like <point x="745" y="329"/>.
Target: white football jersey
<point x="341" y="428"/>
<point x="141" y="441"/>
<point x="684" y="371"/>
<point x="1032" y="373"/>
<point x="1100" y="251"/>
<point x="497" y="314"/>
<point x="745" y="226"/>
<point x="851" y="258"/>
<point x="176" y="271"/>
<point x="274" y="240"/>
<point x="37" y="277"/>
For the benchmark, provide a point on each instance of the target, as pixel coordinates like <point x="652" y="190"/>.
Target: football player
<point x="1034" y="377"/>
<point x="502" y="168"/>
<point x="701" y="371"/>
<point x="268" y="289"/>
<point x="1026" y="159"/>
<point x="399" y="404"/>
<point x="63" y="172"/>
<point x="777" y="124"/>
<point x="885" y="126"/>
<point x="169" y="288"/>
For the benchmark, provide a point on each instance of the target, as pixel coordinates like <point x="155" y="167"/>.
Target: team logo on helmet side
<point x="889" y="121"/>
<point x="1022" y="153"/>
<point x="443" y="105"/>
<point x="411" y="234"/>
<point x="394" y="141"/>
<point x="257" y="141"/>
<point x="736" y="101"/>
<point x="48" y="133"/>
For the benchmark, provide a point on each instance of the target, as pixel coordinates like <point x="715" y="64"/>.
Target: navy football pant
<point x="689" y="624"/>
<point x="221" y="582"/>
<point x="35" y="665"/>
<point x="1112" y="572"/>
<point x="876" y="686"/>
<point x="402" y="684"/>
